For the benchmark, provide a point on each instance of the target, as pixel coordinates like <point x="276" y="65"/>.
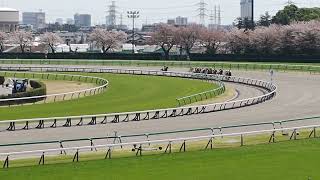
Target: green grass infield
<point x="125" y="93"/>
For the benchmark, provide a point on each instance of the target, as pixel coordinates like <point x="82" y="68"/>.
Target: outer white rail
<point x="69" y="121"/>
<point x="168" y="142"/>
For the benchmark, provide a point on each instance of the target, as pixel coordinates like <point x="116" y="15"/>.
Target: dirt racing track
<point x="297" y="97"/>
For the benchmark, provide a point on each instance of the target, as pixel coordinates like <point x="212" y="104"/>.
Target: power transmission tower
<point x="112" y="15"/>
<point x="212" y="17"/>
<point x="219" y="15"/>
<point x="290" y="2"/>
<point x="202" y="11"/>
<point x="215" y="14"/>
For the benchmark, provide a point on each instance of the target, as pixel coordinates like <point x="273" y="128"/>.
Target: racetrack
<point x="297" y="97"/>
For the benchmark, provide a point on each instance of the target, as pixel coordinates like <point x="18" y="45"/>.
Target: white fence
<point x="141" y="146"/>
<point x="69" y="121"/>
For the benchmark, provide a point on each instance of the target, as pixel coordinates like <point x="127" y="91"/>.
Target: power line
<point x="160" y="8"/>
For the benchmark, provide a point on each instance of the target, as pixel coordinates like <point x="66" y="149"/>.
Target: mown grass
<point x="310" y="67"/>
<point x="125" y="93"/>
<point x="292" y="160"/>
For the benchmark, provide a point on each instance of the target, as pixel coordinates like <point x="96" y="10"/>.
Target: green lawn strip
<point x="191" y="146"/>
<point x="125" y="93"/>
<point x="290" y="160"/>
<point x="309" y="67"/>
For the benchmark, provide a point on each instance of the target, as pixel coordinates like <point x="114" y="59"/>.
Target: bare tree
<point x="22" y="38"/>
<point x="107" y="40"/>
<point x="51" y="40"/>
<point x="211" y="40"/>
<point x="188" y="36"/>
<point x="3" y="39"/>
<point x="165" y="37"/>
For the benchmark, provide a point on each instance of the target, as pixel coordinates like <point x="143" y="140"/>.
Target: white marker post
<point x="271" y="75"/>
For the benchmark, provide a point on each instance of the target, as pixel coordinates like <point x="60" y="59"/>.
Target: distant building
<point x="36" y="19"/>
<point x="181" y="21"/>
<point x="70" y="21"/>
<point x="246" y="9"/>
<point x="59" y="21"/>
<point x="72" y="37"/>
<point x="9" y="19"/>
<point x="171" y="22"/>
<point x="148" y="28"/>
<point x="82" y="20"/>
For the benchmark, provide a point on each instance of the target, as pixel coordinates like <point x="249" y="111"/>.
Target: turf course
<point x="125" y="93"/>
<point x="293" y="160"/>
<point x="308" y="67"/>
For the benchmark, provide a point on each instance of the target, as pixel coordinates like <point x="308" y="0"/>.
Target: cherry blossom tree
<point x="165" y="37"/>
<point x="107" y="40"/>
<point x="3" y="39"/>
<point x="307" y="37"/>
<point x="237" y="41"/>
<point x="51" y="40"/>
<point x="263" y="40"/>
<point x="211" y="40"/>
<point x="188" y="36"/>
<point x="22" y="38"/>
<point x="296" y="38"/>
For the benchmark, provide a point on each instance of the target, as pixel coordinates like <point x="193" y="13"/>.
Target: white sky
<point x="150" y="10"/>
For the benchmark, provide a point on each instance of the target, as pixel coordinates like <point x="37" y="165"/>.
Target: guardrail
<point x="140" y="146"/>
<point x="179" y="133"/>
<point x="69" y="121"/>
<point x="103" y="84"/>
<point x="201" y="96"/>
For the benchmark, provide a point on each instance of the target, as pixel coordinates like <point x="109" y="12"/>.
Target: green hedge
<point x="38" y="89"/>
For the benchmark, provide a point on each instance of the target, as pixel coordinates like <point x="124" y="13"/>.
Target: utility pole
<point x="252" y="11"/>
<point x="133" y="15"/>
<point x="121" y="20"/>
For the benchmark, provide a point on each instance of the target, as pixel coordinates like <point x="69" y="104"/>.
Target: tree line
<point x="290" y="31"/>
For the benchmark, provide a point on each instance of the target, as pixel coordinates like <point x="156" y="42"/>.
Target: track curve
<point x="297" y="97"/>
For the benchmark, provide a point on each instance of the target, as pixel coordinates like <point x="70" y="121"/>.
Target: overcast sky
<point x="151" y="10"/>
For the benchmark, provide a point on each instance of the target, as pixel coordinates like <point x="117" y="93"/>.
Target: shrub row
<point x="158" y="56"/>
<point x="2" y="80"/>
<point x="38" y="89"/>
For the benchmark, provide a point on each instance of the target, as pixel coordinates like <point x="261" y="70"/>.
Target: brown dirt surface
<point x="57" y="87"/>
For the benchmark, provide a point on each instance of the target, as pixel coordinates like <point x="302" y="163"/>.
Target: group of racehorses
<point x="205" y="71"/>
<point x="211" y="71"/>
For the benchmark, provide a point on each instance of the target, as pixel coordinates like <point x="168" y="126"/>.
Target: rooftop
<point x="8" y="9"/>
